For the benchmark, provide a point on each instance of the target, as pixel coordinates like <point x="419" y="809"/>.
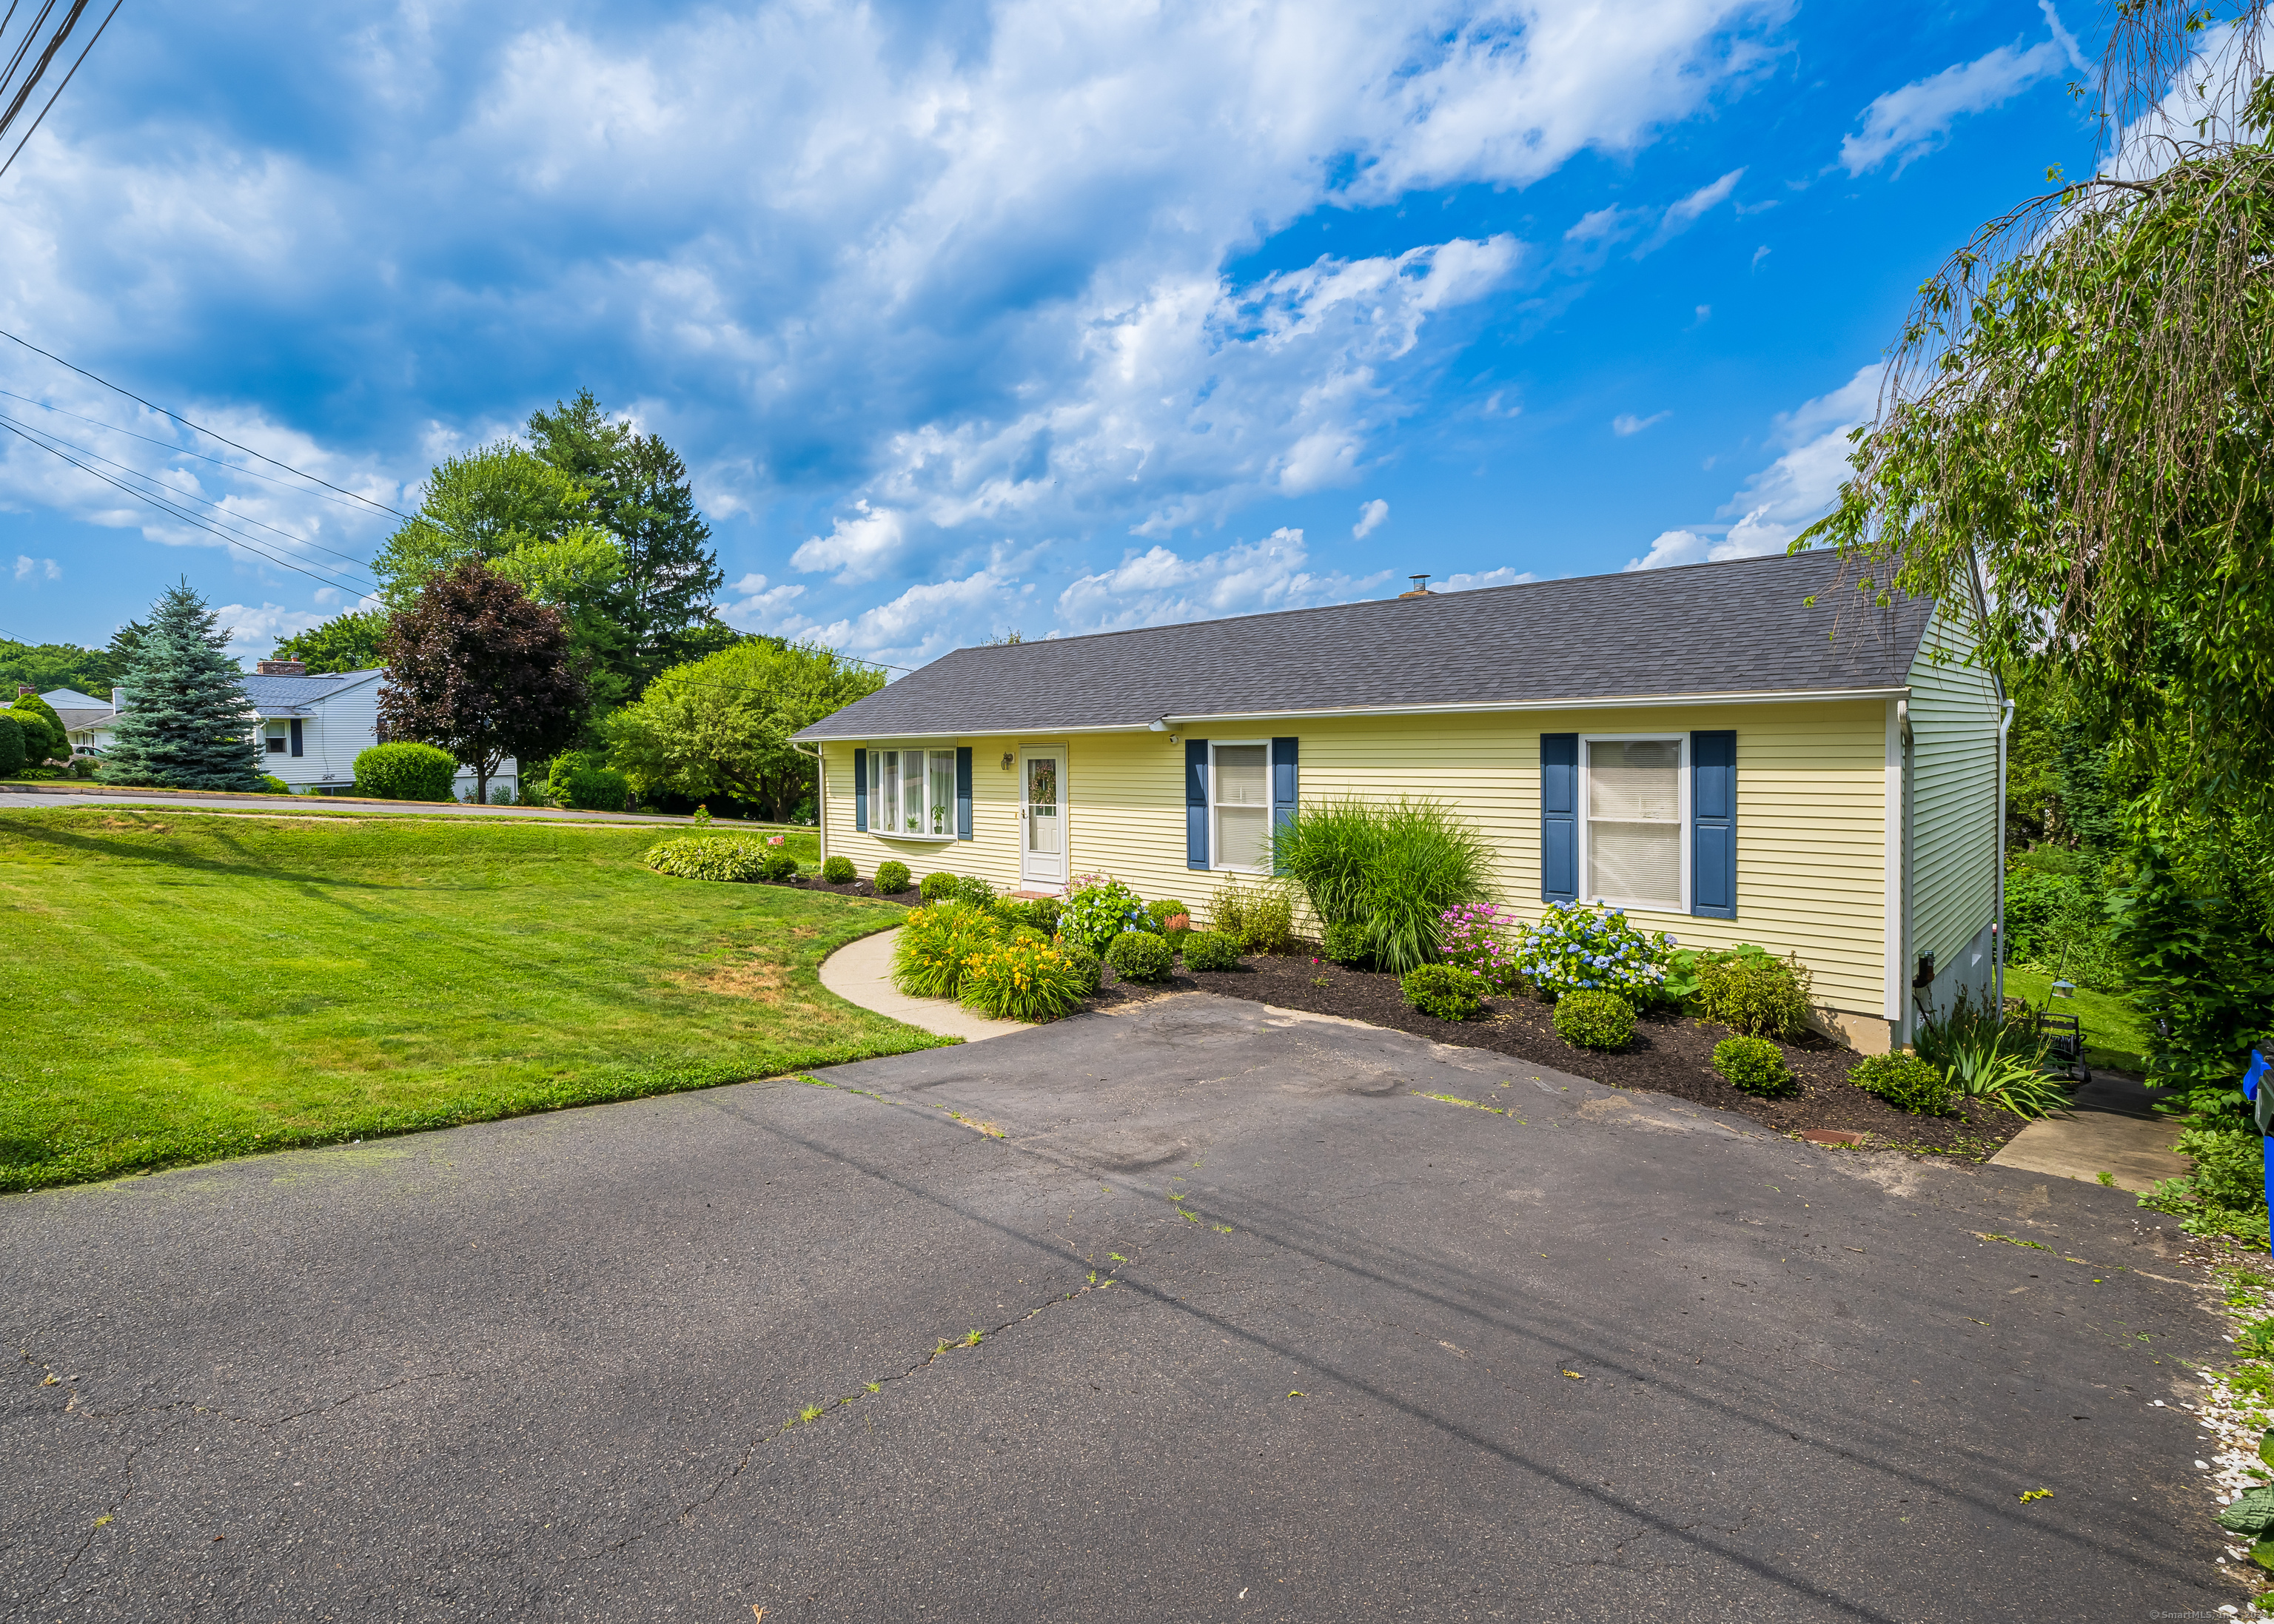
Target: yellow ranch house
<point x="1749" y="751"/>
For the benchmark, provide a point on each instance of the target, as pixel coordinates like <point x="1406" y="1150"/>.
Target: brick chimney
<point x="280" y="668"/>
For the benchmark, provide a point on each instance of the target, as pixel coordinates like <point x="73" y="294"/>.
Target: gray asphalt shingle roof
<point x="1736" y="627"/>
<point x="295" y="696"/>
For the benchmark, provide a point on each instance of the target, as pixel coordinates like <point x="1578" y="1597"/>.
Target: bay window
<point x="912" y="793"/>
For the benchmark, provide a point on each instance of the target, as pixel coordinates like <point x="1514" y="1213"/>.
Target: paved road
<point x="1601" y="1357"/>
<point x="32" y="800"/>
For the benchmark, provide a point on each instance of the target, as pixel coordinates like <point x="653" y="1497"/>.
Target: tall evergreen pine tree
<point x="188" y="723"/>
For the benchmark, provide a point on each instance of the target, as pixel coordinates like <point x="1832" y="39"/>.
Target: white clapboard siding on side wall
<point x="1954" y="716"/>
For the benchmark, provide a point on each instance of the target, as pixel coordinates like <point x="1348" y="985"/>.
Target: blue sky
<point x="969" y="317"/>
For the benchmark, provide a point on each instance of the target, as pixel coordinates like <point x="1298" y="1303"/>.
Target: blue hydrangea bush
<point x="1100" y="910"/>
<point x="1577" y="947"/>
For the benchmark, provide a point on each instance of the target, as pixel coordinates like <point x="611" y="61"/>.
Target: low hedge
<point x="1140" y="955"/>
<point x="1442" y="990"/>
<point x="710" y="857"/>
<point x="1210" y="950"/>
<point x="1906" y="1082"/>
<point x="1754" y="1065"/>
<point x="1594" y="1019"/>
<point x="406" y="772"/>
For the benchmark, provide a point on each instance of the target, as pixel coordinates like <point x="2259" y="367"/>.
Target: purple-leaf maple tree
<point x="476" y="667"/>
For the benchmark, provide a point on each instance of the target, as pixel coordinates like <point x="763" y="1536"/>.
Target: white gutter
<point x="1168" y="724"/>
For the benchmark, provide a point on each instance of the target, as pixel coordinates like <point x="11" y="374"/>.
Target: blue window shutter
<point x="1282" y="789"/>
<point x="963" y="793"/>
<point x="295" y="735"/>
<point x="1196" y="840"/>
<point x="1559" y="817"/>
<point x="1714" y="824"/>
<point x="861" y="790"/>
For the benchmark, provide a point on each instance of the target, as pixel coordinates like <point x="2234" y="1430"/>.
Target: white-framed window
<point x="912" y="794"/>
<point x="1239" y="805"/>
<point x="279" y="737"/>
<point x="1634" y="820"/>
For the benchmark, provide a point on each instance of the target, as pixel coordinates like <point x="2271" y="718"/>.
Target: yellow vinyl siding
<point x="1811" y="838"/>
<point x="1954" y="717"/>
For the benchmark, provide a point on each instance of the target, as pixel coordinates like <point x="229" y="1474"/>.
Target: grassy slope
<point x="191" y="985"/>
<point x="2115" y="1035"/>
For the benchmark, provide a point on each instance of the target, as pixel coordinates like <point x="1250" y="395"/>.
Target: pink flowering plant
<point x="1579" y="948"/>
<point x="1477" y="939"/>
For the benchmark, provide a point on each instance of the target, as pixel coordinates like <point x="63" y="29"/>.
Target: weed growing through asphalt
<point x="2107" y="1178"/>
<point x="973" y="1337"/>
<point x="1454" y="1099"/>
<point x="810" y="1414"/>
<point x="2010" y="1241"/>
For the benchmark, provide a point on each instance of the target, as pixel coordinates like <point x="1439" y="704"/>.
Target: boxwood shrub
<point x="891" y="879"/>
<point x="1210" y="950"/>
<point x="406" y="772"/>
<point x="1594" y="1019"/>
<point x="1166" y="909"/>
<point x="838" y="871"/>
<point x="1906" y="1082"/>
<point x="1442" y="990"/>
<point x="776" y="864"/>
<point x="1140" y="955"/>
<point x="1754" y="1065"/>
<point x="939" y="887"/>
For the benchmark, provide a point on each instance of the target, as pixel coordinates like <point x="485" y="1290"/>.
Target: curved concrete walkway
<point x="861" y="972"/>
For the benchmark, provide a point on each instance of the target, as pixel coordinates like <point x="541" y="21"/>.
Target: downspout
<point x="1997" y="920"/>
<point x="820" y="797"/>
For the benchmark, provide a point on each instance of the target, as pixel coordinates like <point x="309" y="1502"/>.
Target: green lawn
<point x="2115" y="1035"/>
<point x="189" y="985"/>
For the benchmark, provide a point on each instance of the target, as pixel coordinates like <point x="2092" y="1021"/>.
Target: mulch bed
<point x="1670" y="1054"/>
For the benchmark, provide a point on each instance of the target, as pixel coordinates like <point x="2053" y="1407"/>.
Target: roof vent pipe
<point x="1420" y="587"/>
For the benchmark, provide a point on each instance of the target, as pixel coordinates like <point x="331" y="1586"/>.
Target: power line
<point x="52" y="100"/>
<point x="187" y="518"/>
<point x="136" y="473"/>
<point x="207" y="432"/>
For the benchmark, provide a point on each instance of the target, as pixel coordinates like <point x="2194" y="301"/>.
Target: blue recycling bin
<point x="2262" y="1110"/>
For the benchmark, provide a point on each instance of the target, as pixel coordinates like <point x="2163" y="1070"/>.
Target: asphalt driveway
<point x="1599" y="1357"/>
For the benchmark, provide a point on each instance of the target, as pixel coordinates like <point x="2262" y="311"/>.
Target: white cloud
<point x="1159" y="587"/>
<point x="1686" y="212"/>
<point x="1503" y="576"/>
<point x="860" y="548"/>
<point x="1626" y="423"/>
<point x="1782" y="500"/>
<point x="1906" y="123"/>
<point x="927" y="620"/>
<point x="750" y="605"/>
<point x="37" y="570"/>
<point x="252" y="633"/>
<point x="1369" y="519"/>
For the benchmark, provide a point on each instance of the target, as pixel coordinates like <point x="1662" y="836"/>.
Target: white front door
<point x="1041" y="818"/>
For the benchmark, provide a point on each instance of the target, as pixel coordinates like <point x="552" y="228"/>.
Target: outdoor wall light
<point x="1009" y="760"/>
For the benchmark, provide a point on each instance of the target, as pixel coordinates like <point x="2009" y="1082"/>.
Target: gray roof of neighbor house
<point x="1729" y="629"/>
<point x="298" y="695"/>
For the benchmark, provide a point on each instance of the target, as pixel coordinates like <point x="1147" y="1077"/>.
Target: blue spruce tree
<point x="186" y="723"/>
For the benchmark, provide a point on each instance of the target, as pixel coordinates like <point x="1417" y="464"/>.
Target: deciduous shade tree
<point x="643" y="499"/>
<point x="476" y="668"/>
<point x="345" y="642"/>
<point x="44" y="738"/>
<point x="44" y="665"/>
<point x="532" y="524"/>
<point x="722" y="724"/>
<point x="188" y="723"/>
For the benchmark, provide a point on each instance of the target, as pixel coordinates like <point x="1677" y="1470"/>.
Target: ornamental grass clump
<point x="1388" y="869"/>
<point x="1029" y="978"/>
<point x="715" y="857"/>
<point x="1906" y="1082"/>
<point x="936" y="942"/>
<point x="1754" y="1065"/>
<point x="1210" y="950"/>
<point x="1576" y="948"/>
<point x="1100" y="910"/>
<point x="1140" y="955"/>
<point x="1594" y="1019"/>
<point x="1442" y="991"/>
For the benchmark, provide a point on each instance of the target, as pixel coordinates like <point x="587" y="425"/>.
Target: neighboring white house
<point x="311" y="728"/>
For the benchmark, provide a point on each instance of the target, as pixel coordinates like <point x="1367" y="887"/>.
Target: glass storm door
<point x="1041" y="818"/>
